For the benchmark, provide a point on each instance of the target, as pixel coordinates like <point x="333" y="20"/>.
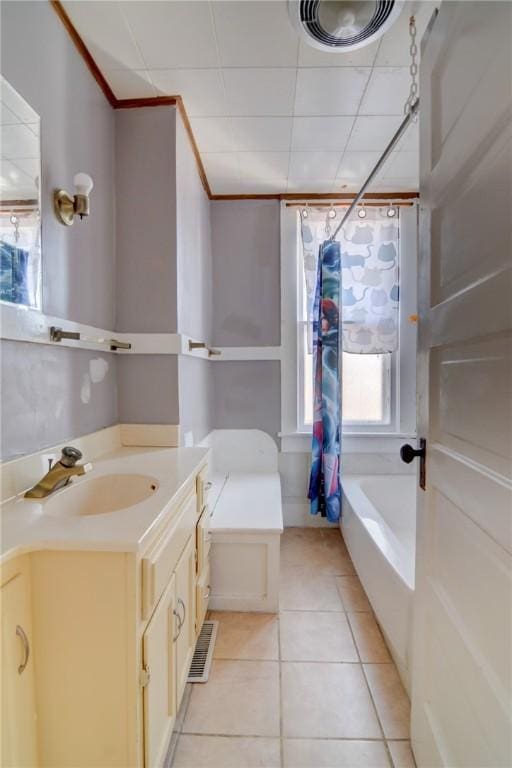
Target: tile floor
<point x="313" y="687"/>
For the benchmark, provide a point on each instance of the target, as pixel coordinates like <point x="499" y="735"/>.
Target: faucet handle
<point x="70" y="456"/>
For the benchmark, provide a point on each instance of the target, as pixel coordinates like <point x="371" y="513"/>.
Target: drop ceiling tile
<point x="312" y="57"/>
<point x="19" y="141"/>
<point x="130" y="83"/>
<point x="173" y="34"/>
<point x="314" y="165"/>
<point x="264" y="165"/>
<point x="106" y="34"/>
<point x="7" y="117"/>
<point x="310" y="185"/>
<point x="355" y="166"/>
<point x="251" y="33"/>
<point x="262" y="133"/>
<point x="13" y="181"/>
<point x="213" y="134"/>
<point x="260" y="92"/>
<point x="31" y="166"/>
<point x="410" y="141"/>
<point x="396" y="185"/>
<point x="330" y="90"/>
<point x="401" y="165"/>
<point x="394" y="48"/>
<point x="387" y="91"/>
<point x="251" y="187"/>
<point x="372" y="133"/>
<point x="322" y="133"/>
<point x="11" y="99"/>
<point x="202" y="89"/>
<point x="221" y="166"/>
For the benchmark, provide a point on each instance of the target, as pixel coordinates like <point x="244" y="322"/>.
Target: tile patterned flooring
<point x="312" y="687"/>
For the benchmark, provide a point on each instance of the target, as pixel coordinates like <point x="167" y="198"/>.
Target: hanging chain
<point x="413" y="67"/>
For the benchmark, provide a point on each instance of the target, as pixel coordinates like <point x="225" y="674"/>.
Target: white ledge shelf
<point x="18" y="323"/>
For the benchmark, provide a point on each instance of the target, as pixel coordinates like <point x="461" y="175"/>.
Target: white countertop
<point x="246" y="502"/>
<point x="25" y="527"/>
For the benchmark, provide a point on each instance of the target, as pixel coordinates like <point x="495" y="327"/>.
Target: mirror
<point x="20" y="199"/>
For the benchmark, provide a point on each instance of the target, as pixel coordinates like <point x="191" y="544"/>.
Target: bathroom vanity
<point x="101" y="611"/>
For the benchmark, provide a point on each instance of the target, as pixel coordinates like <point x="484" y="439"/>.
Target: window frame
<point x="402" y="396"/>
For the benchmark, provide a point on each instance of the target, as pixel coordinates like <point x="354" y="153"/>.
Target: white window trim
<point x="403" y="375"/>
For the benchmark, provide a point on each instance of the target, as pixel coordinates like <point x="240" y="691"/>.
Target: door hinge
<point x="145" y="676"/>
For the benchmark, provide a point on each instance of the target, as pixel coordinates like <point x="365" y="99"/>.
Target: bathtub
<point x="379" y="528"/>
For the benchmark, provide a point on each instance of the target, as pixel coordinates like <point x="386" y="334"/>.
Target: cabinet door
<point x="18" y="719"/>
<point x="160" y="670"/>
<point x="186" y="609"/>
<point x="203" y="541"/>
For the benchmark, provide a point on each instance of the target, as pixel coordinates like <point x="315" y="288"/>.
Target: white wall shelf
<point x="18" y="323"/>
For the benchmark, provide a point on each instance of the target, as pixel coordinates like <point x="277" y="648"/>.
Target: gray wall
<point x="246" y="273"/>
<point x="197" y="404"/>
<point x="247" y="395"/>
<point x="195" y="289"/>
<point x="48" y="396"/>
<point x="194" y="237"/>
<point x="41" y="387"/>
<point x="148" y="389"/>
<point x="246" y="312"/>
<point x="77" y="128"/>
<point x="146" y="220"/>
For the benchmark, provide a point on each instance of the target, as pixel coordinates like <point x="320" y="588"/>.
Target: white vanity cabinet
<point x="18" y="713"/>
<point x="185" y="614"/>
<point x="158" y="677"/>
<point x="112" y="635"/>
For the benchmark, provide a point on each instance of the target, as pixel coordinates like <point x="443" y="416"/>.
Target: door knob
<point x="408" y="453"/>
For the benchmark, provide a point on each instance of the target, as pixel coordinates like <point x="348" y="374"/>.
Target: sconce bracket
<point x="64" y="207"/>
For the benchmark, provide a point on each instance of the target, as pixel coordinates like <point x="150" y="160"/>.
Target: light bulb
<point x="83" y="183"/>
<point x="391" y="212"/>
<point x="361" y="213"/>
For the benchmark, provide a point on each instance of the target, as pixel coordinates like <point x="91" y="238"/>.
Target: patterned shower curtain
<point x="324" y="485"/>
<point x="353" y="285"/>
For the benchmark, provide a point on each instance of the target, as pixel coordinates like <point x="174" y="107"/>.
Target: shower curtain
<point x="353" y="284"/>
<point x="324" y="485"/>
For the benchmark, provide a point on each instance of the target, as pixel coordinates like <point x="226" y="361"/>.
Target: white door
<point x="462" y="675"/>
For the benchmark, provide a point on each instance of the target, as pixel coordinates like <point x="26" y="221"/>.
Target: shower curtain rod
<point x="329" y="204"/>
<point x="390" y="147"/>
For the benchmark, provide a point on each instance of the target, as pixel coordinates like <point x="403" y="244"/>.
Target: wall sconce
<point x="66" y="207"/>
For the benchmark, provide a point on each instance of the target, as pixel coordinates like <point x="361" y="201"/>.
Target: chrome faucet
<point x="60" y="474"/>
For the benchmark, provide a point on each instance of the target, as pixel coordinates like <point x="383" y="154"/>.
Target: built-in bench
<point x="246" y="522"/>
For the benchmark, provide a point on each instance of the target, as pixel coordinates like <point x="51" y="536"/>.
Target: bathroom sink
<point x="99" y="495"/>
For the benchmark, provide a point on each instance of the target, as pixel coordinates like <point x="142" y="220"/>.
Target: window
<point x="379" y="391"/>
<point x="366" y="379"/>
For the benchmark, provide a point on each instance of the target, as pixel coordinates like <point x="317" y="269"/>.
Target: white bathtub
<point x="379" y="528"/>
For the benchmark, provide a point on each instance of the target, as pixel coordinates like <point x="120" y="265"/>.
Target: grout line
<point x="291" y="738"/>
<point x="281" y="734"/>
<point x="388" y="753"/>
<point x="382" y="739"/>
